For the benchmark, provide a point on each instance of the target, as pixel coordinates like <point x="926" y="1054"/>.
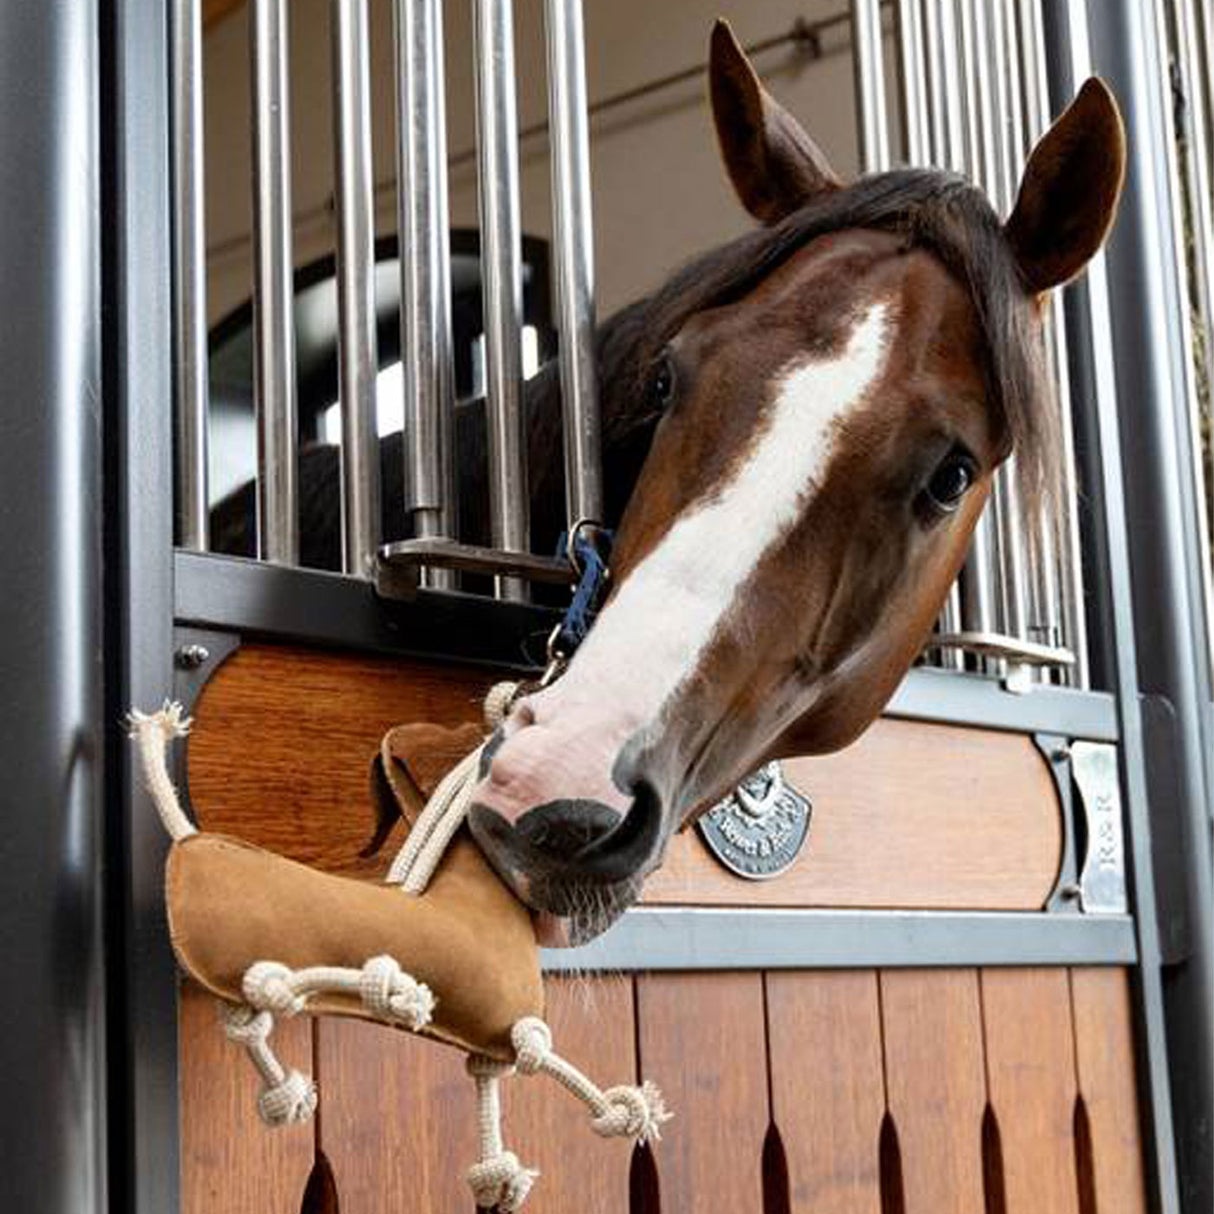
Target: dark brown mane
<point x="935" y="210"/>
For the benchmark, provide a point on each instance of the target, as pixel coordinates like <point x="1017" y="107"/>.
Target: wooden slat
<point x="911" y="815"/>
<point x="283" y="739"/>
<point x="592" y="1025"/>
<point x="397" y="1120"/>
<point x="1031" y="1080"/>
<point x="1104" y="1049"/>
<point x="230" y="1161"/>
<point x="931" y="1023"/>
<point x="702" y="1041"/>
<point x="827" y="1091"/>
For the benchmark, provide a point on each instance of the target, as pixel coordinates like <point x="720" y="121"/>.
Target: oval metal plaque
<point x="760" y="828"/>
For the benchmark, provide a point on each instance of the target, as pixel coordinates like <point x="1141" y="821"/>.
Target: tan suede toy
<point x="441" y="948"/>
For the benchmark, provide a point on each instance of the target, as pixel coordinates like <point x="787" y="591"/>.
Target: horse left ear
<point x="1069" y="192"/>
<point x="774" y="165"/>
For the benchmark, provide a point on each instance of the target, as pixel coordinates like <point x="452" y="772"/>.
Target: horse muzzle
<point x="575" y="850"/>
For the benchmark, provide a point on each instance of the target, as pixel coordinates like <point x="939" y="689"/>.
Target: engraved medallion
<point x="760" y="828"/>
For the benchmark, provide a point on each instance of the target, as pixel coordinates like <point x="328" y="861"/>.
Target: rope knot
<point x="391" y="994"/>
<point x="289" y="1102"/>
<point x="267" y="986"/>
<point x="498" y="703"/>
<point x="501" y="1182"/>
<point x="631" y="1112"/>
<point x="481" y="1066"/>
<point x="532" y="1041"/>
<point x="245" y="1025"/>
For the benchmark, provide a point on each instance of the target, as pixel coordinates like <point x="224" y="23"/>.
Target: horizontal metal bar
<point x="307" y="605"/>
<point x="998" y="645"/>
<point x="698" y="938"/>
<point x="398" y="565"/>
<point x="970" y="699"/>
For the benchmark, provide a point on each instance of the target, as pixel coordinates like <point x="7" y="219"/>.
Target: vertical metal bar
<point x="425" y="319"/>
<point x="501" y="277"/>
<point x="946" y="115"/>
<point x="357" y="354"/>
<point x="978" y="586"/>
<point x="912" y="78"/>
<point x="925" y="142"/>
<point x="574" y="237"/>
<point x="52" y="722"/>
<point x="1151" y="541"/>
<point x="989" y="70"/>
<point x="273" y="291"/>
<point x="190" y="399"/>
<point x="868" y="61"/>
<point x="1194" y="61"/>
<point x="1057" y="614"/>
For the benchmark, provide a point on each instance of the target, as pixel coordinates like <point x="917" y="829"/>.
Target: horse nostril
<point x="627" y="849"/>
<point x="563" y="830"/>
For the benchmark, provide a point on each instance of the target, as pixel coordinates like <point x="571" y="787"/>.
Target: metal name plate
<point x="760" y="828"/>
<point x="1102" y="888"/>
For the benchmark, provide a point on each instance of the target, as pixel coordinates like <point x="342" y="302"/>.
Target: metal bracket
<point x="398" y="566"/>
<point x="1102" y="879"/>
<point x="1056" y="751"/>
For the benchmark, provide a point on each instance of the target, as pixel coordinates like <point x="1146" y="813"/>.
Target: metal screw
<point x="1070" y="891"/>
<point x="1060" y="754"/>
<point x="190" y="657"/>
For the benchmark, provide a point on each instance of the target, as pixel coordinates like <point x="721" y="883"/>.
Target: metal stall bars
<point x="191" y="405"/>
<point x="400" y="565"/>
<point x="425" y="273"/>
<point x="273" y="293"/>
<point x="501" y="278"/>
<point x="358" y="364"/>
<point x="970" y="86"/>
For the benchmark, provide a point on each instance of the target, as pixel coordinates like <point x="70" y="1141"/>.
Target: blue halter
<point x="588" y="554"/>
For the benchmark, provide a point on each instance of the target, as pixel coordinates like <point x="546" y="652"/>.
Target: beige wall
<point x="659" y="193"/>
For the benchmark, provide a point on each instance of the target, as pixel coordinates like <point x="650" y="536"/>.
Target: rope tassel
<point x="499" y="1179"/>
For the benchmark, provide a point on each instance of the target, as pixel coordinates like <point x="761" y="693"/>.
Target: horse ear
<point x="774" y="165"/>
<point x="1068" y="195"/>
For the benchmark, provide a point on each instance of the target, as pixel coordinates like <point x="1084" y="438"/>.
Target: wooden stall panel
<point x="230" y="1161"/>
<point x="932" y="1027"/>
<point x="702" y="1040"/>
<point x="593" y="1025"/>
<point x="1031" y="1080"/>
<point x="397" y="1120"/>
<point x="283" y="739"/>
<point x="895" y="825"/>
<point x="827" y="1090"/>
<point x="1104" y="1049"/>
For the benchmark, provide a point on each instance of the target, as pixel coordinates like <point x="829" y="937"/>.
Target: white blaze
<point x="665" y="613"/>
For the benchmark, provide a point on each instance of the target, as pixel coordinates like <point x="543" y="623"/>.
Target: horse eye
<point x="949" y="483"/>
<point x="663" y="382"/>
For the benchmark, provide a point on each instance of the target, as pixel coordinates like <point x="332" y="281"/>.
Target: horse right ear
<point x="774" y="165"/>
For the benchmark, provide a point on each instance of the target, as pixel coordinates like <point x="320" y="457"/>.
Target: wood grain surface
<point x="827" y="1090"/>
<point x="230" y="1161"/>
<point x="592" y="1022"/>
<point x="283" y="740"/>
<point x="702" y="1041"/>
<point x="932" y="1027"/>
<point x="397" y="1120"/>
<point x="911" y="815"/>
<point x="1030" y="1063"/>
<point x="1104" y="1055"/>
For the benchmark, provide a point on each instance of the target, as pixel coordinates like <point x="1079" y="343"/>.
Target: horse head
<point x="836" y="390"/>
